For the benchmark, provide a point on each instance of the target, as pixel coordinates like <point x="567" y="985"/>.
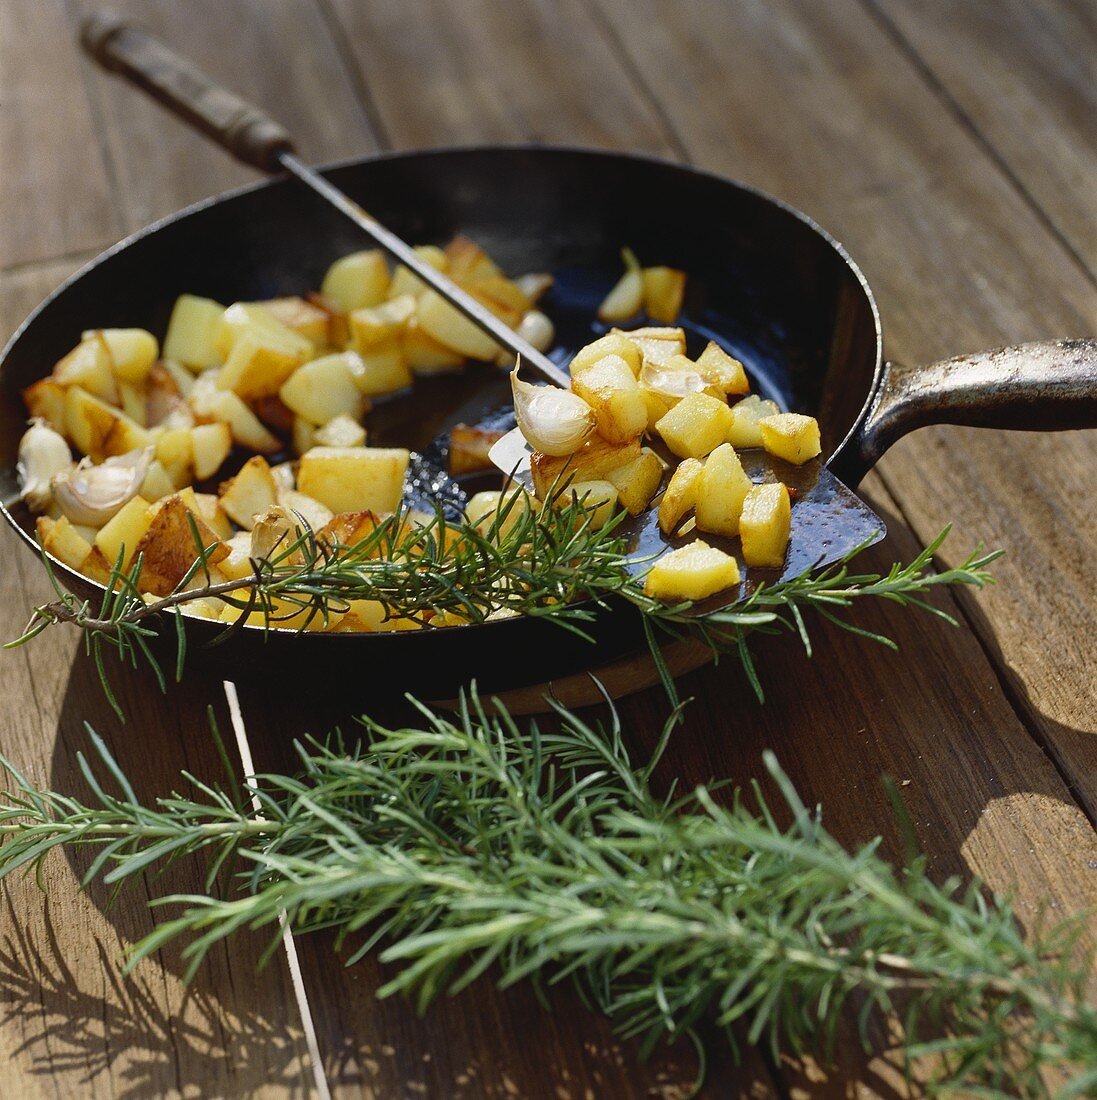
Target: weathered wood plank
<point x="70" y="1023"/>
<point x="1024" y="74"/>
<point x="853" y="134"/>
<point x="483" y="71"/>
<point x="54" y="188"/>
<point x="278" y="54"/>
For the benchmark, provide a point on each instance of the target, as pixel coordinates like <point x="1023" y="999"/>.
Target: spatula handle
<point x="248" y="133"/>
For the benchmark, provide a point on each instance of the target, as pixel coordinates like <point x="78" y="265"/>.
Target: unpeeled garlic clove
<point x="272" y="532"/>
<point x="43" y="453"/>
<point x="92" y="495"/>
<point x="554" y="421"/>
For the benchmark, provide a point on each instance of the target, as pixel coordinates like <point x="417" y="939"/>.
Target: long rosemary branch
<point x="473" y="842"/>
<point x="550" y="562"/>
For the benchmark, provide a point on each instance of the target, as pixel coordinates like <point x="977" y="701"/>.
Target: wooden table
<point x="952" y="147"/>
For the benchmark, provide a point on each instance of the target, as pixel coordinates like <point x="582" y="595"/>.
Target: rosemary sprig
<point x="471" y="843"/>
<point x="550" y="561"/>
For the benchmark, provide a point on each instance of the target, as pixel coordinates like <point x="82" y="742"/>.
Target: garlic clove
<point x="536" y="329"/>
<point x="91" y="495"/>
<point x="554" y="421"/>
<point x="272" y="531"/>
<point x="43" y="453"/>
<point x="627" y="295"/>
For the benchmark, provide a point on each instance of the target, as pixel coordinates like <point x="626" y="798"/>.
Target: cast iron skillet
<point x="778" y="291"/>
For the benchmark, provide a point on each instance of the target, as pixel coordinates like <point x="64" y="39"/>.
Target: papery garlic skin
<point x="272" y="531"/>
<point x="43" y="454"/>
<point x="554" y="421"/>
<point x="92" y="495"/>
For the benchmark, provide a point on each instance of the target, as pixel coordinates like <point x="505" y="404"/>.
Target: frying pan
<point x="772" y="286"/>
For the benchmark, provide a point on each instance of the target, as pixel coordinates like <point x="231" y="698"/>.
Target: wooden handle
<point x="250" y="135"/>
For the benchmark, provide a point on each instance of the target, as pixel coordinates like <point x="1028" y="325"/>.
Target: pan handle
<point x="1048" y="386"/>
<point x="250" y="135"/>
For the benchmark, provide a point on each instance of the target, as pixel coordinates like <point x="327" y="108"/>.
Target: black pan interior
<point x="763" y="280"/>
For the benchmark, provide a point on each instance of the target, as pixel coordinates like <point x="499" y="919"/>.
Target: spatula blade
<point x="829" y="520"/>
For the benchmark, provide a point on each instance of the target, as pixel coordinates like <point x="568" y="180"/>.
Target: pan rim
<point x="412" y="153"/>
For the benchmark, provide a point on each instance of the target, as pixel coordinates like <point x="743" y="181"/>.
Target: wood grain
<point x="480" y="70"/>
<point x="1031" y="98"/>
<point x="276" y="53"/>
<point x="865" y="117"/>
<point x="54" y="187"/>
<point x="93" y="1032"/>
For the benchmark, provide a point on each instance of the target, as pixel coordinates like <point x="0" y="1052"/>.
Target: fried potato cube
<point x="358" y="280"/>
<point x="121" y="534"/>
<point x="305" y="318"/>
<point x="425" y="355"/>
<point x="158" y="482"/>
<point x="503" y="507"/>
<point x="438" y="319"/>
<point x="99" y="429"/>
<point x="698" y="424"/>
<point x="379" y="326"/>
<point x="656" y="344"/>
<point x="469" y="449"/>
<point x="680" y="494"/>
<point x="340" y="431"/>
<point x="211" y="403"/>
<point x="191" y="338"/>
<point x="46" y="399"/>
<point x="325" y="388"/>
<point x="304" y="435"/>
<point x="404" y="281"/>
<point x="169" y="548"/>
<point x="338" y="332"/>
<point x="63" y="540"/>
<point x="597" y="498"/>
<point x="613" y="343"/>
<point x="791" y="436"/>
<point x="352" y="479"/>
<point x="237" y="563"/>
<point x="592" y="462"/>
<point x="349" y="529"/>
<point x="133" y="403"/>
<point x="210" y="446"/>
<point x="315" y="514"/>
<point x="250" y="493"/>
<point x="467" y="262"/>
<point x="765" y="525"/>
<point x="208" y="507"/>
<point x="692" y="572"/>
<point x="745" y="416"/>
<point x="502" y="297"/>
<point x="637" y="482"/>
<point x="610" y="388"/>
<point x="383" y="370"/>
<point x="723" y="488"/>
<point x="368" y="616"/>
<point x="260" y="352"/>
<point x="664" y="289"/>
<point x="88" y="366"/>
<point x="131" y="351"/>
<point x="175" y="452"/>
<point x="722" y="370"/>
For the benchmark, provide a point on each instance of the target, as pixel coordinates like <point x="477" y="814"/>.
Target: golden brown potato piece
<point x="592" y="462"/>
<point x="469" y="447"/>
<point x="168" y="547"/>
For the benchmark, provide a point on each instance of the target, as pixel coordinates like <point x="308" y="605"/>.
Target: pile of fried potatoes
<point x="289" y="375"/>
<point x="629" y="385"/>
